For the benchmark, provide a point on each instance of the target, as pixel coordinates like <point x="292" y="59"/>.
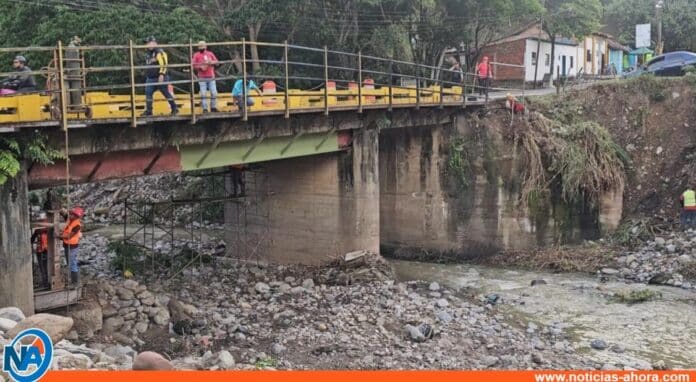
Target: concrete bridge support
<point x="319" y="207"/>
<point x="16" y="288"/>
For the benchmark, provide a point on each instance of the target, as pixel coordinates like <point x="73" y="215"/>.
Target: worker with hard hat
<point x="39" y="238"/>
<point x="72" y="233"/>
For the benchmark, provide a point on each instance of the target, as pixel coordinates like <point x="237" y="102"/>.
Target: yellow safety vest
<point x="689" y="198"/>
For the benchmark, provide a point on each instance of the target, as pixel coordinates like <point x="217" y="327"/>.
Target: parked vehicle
<point x="667" y="65"/>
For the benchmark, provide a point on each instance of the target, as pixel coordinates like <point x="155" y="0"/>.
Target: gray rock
<point x="616" y="348"/>
<point x="131" y="285"/>
<point x="414" y="334"/>
<point x="537" y="358"/>
<point x="685" y="259"/>
<point x="88" y="318"/>
<point x="434" y="286"/>
<point x="490" y="361"/>
<point x="442" y="303"/>
<point x="125" y="294"/>
<point x="278" y="349"/>
<point x="308" y="284"/>
<point x="113" y="324"/>
<point x="151" y="361"/>
<point x="225" y="360"/>
<point x="443" y="316"/>
<point x="6" y="324"/>
<point x="161" y="317"/>
<point x="141" y="327"/>
<point x="262" y="288"/>
<point x="609" y="271"/>
<point x="62" y="360"/>
<point x="671" y="248"/>
<point x="538" y="282"/>
<point x="660" y="365"/>
<point x="659" y="241"/>
<point x="598" y="344"/>
<point x="119" y="351"/>
<point x="12" y="313"/>
<point x="56" y="326"/>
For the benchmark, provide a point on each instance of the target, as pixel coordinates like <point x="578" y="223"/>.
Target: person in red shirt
<point x="484" y="70"/>
<point x="204" y="62"/>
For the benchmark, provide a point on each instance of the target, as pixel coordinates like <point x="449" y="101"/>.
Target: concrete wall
<point x="16" y="288"/>
<point x="318" y="208"/>
<point x="424" y="208"/>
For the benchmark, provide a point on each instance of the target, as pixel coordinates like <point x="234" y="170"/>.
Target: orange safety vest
<point x="42" y="244"/>
<point x="67" y="232"/>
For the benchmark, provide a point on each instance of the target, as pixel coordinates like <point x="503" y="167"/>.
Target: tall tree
<point x="570" y="18"/>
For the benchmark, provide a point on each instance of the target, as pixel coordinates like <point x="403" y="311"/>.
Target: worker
<point x="156" y="76"/>
<point x="484" y="70"/>
<point x="21" y="81"/>
<point x="239" y="91"/>
<point x="688" y="202"/>
<point x="39" y="238"/>
<point x="72" y="233"/>
<point x="457" y="73"/>
<point x="514" y="105"/>
<point x="238" y="182"/>
<point x="204" y="62"/>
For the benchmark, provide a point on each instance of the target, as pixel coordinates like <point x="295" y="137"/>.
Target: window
<point x="534" y="58"/>
<point x="572" y="64"/>
<point x="548" y="60"/>
<point x="589" y="55"/>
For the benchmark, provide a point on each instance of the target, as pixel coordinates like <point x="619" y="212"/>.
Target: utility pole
<point x="659" y="4"/>
<point x="536" y="67"/>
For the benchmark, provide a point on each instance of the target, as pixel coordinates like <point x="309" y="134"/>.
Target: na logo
<point x="28" y="363"/>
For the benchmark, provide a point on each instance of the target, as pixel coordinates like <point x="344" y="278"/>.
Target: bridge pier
<point x="16" y="285"/>
<point x="318" y="207"/>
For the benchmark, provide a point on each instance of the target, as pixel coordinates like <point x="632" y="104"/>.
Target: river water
<point x="663" y="329"/>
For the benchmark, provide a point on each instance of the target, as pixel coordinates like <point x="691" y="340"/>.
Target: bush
<point x="636" y="296"/>
<point x="129" y="257"/>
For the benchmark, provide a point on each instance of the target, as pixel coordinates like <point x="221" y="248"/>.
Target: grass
<point x="636" y="296"/>
<point x="583" y="259"/>
<point x="266" y="362"/>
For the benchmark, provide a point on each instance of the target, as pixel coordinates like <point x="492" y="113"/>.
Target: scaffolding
<point x="187" y="224"/>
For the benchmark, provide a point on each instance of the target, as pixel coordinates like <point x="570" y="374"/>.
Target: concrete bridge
<point x="350" y="167"/>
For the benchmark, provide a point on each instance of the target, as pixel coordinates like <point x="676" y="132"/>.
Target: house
<point x="603" y="54"/>
<point x="529" y="51"/>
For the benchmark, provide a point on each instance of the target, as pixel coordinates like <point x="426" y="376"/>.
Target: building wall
<point x="596" y="55"/>
<point x="513" y="53"/>
<point x="616" y="58"/>
<point x="570" y="52"/>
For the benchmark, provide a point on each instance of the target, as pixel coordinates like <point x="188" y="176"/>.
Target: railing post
<point x="418" y="71"/>
<point x="131" y="57"/>
<point x="61" y="88"/>
<point x="464" y="77"/>
<point x="442" y="91"/>
<point x="360" y="80"/>
<point x="391" y="84"/>
<point x="287" y="82"/>
<point x="193" y="85"/>
<point x="244" y="105"/>
<point x="326" y="80"/>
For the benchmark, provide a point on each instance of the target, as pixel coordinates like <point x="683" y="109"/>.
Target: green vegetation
<point x="459" y="163"/>
<point x="15" y="150"/>
<point x="128" y="257"/>
<point x="636" y="296"/>
<point x="266" y="362"/>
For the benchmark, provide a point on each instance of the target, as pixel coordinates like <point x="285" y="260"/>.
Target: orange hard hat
<point x="77" y="211"/>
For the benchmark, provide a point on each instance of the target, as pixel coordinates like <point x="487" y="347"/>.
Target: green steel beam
<point x="229" y="153"/>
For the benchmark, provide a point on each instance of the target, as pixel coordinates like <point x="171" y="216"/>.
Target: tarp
<point x="641" y="51"/>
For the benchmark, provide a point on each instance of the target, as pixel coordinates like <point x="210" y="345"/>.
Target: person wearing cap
<point x="22" y="81"/>
<point x="40" y="238"/>
<point x="156" y="76"/>
<point x="204" y="62"/>
<point x="72" y="233"/>
<point x="484" y="70"/>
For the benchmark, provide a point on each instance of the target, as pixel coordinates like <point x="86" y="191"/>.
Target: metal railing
<point x="106" y="80"/>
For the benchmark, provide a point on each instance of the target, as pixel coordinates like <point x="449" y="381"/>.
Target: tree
<point x="678" y="21"/>
<point x="570" y="18"/>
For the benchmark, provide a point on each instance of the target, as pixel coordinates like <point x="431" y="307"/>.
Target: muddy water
<point x="662" y="329"/>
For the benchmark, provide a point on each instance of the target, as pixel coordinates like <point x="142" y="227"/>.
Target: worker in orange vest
<point x="40" y="238"/>
<point x="72" y="233"/>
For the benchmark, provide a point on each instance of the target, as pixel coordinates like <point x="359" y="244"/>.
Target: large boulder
<point x="56" y="326"/>
<point x="63" y="360"/>
<point x="88" y="318"/>
<point x="182" y="321"/>
<point x="151" y="361"/>
<point x="6" y="324"/>
<point x="12" y="313"/>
